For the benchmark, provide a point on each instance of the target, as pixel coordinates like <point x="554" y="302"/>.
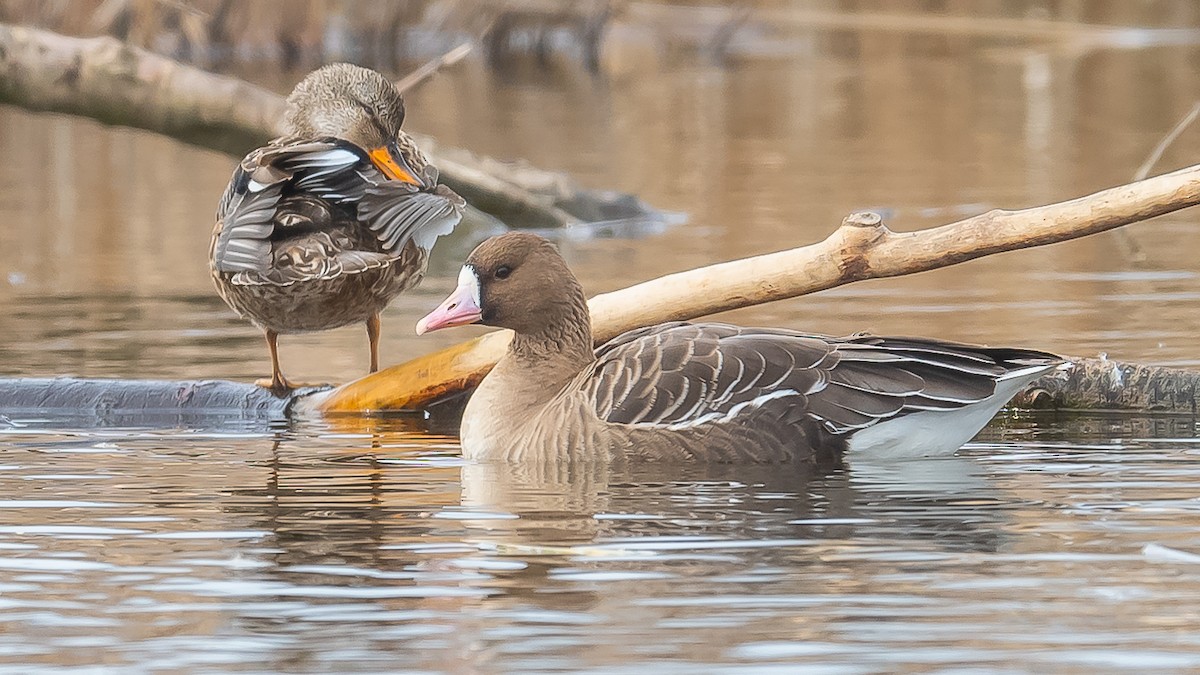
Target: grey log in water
<point x="1091" y="384"/>
<point x="143" y="402"/>
<point x="1101" y="384"/>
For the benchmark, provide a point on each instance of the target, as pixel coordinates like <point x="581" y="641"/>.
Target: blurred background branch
<point x="388" y="35"/>
<point x="137" y="73"/>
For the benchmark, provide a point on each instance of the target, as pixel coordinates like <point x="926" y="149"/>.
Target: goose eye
<point x="503" y="271"/>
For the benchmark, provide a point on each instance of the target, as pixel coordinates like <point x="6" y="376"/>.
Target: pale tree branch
<point x="862" y="248"/>
<point x="110" y="81"/>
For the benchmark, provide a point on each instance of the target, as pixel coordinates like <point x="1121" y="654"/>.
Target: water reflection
<point x="316" y="548"/>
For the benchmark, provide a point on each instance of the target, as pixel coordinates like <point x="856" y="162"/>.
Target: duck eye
<point x="503" y="271"/>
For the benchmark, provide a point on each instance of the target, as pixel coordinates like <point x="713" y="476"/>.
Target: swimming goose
<point x="325" y="225"/>
<point x="705" y="391"/>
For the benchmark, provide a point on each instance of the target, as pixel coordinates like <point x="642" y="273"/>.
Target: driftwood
<point x="141" y="403"/>
<point x="862" y="248"/>
<point x="1102" y="384"/>
<point x="115" y="83"/>
<point x="1091" y="385"/>
<point x="109" y="81"/>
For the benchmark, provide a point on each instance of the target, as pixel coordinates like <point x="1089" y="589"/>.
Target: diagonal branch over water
<point x="862" y="248"/>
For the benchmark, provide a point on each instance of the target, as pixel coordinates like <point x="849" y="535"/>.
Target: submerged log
<point x="1102" y="384"/>
<point x="862" y="248"/>
<point x="119" y="84"/>
<point x="1090" y="385"/>
<point x="110" y="402"/>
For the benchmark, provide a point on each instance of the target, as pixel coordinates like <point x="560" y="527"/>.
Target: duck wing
<point x="397" y="213"/>
<point x="687" y="375"/>
<point x="274" y="188"/>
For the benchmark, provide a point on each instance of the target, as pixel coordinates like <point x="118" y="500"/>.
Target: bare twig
<point x="1157" y="153"/>
<point x="1134" y="250"/>
<point x="185" y="7"/>
<point x="420" y="75"/>
<point x="862" y="248"/>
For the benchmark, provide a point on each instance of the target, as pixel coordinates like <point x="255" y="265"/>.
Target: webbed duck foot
<point x="282" y="387"/>
<point x="278" y="385"/>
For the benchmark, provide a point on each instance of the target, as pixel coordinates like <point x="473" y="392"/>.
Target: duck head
<point x="360" y="106"/>
<point x="516" y="280"/>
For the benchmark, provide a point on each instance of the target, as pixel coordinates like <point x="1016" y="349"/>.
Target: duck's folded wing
<point x="248" y="210"/>
<point x="683" y="375"/>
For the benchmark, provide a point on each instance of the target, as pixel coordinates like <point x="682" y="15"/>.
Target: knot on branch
<point x="863" y="219"/>
<point x="859" y="233"/>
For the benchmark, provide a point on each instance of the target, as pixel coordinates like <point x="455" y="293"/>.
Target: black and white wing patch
<point x="334" y="171"/>
<point x="249" y="208"/>
<point x="397" y="212"/>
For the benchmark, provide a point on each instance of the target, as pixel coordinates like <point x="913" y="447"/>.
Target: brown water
<point x="1049" y="544"/>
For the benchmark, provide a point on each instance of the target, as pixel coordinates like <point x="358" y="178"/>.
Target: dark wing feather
<point x="246" y="226"/>
<point x="397" y="212"/>
<point x="249" y="208"/>
<point x="679" y="373"/>
<point x="691" y="374"/>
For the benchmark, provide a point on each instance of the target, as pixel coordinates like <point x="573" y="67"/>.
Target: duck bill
<point x="460" y="309"/>
<point x="389" y="160"/>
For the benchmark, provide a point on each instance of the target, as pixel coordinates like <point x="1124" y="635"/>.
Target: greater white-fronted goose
<point x="325" y="225"/>
<point x="705" y="391"/>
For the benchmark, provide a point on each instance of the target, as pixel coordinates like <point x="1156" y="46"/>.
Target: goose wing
<point x="282" y="186"/>
<point x="685" y="375"/>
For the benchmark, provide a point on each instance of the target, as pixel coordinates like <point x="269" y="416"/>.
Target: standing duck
<point x="705" y="391"/>
<point x="325" y="225"/>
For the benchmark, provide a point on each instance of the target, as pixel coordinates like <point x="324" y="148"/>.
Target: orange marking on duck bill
<point x="382" y="158"/>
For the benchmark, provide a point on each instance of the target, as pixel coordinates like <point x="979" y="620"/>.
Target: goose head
<point x="358" y="105"/>
<point x="516" y="280"/>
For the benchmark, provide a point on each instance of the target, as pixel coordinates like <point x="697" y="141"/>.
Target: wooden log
<point x="862" y="248"/>
<point x="1091" y="385"/>
<point x="143" y="402"/>
<point x="116" y="83"/>
<point x="1103" y="384"/>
